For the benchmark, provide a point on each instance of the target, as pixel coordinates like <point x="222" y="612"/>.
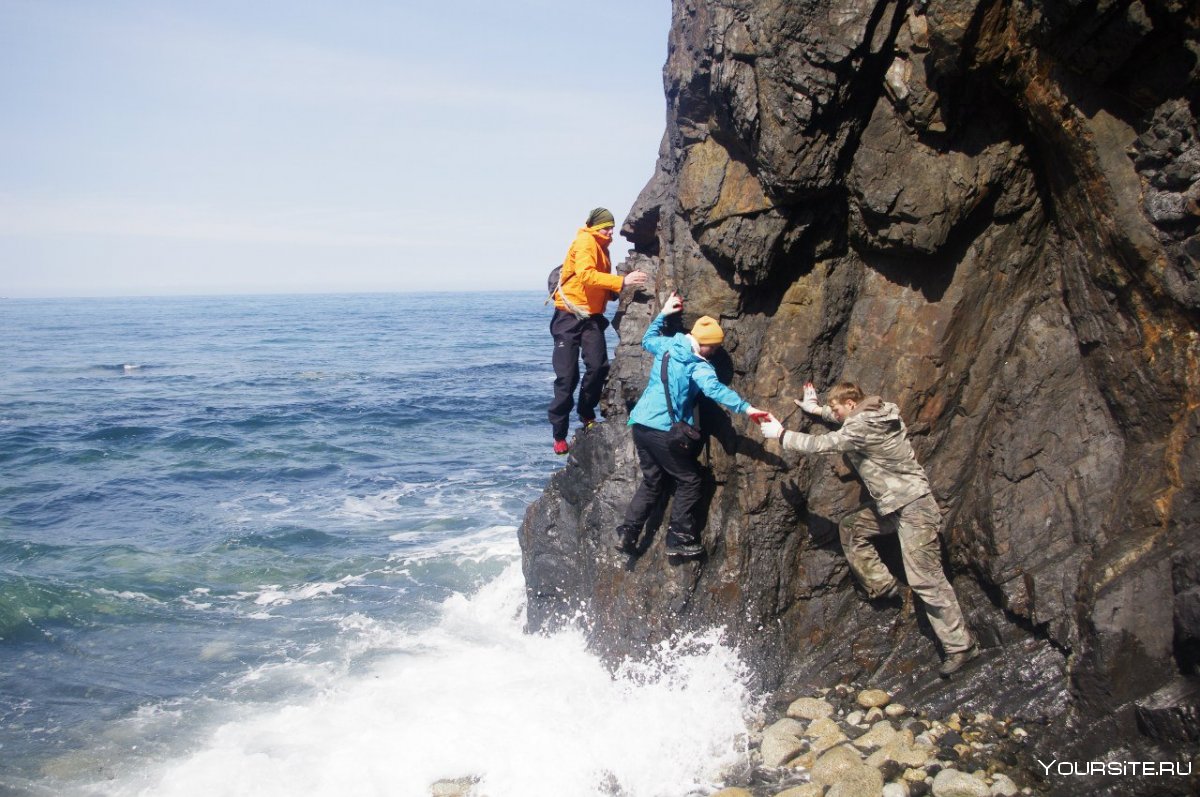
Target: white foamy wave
<point x="530" y="716"/>
<point x="127" y="595"/>
<point x="488" y="544"/>
<point x="275" y="595"/>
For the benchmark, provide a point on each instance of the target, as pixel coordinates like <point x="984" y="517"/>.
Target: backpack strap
<point x="575" y="310"/>
<point x="667" y="387"/>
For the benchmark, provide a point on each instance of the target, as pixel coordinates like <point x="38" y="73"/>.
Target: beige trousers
<point x="917" y="526"/>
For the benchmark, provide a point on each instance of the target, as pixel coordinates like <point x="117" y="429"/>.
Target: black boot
<point x="627" y="539"/>
<point x="683" y="545"/>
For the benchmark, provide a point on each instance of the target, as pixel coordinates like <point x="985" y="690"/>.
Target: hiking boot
<point x="685" y="550"/>
<point x="956" y="661"/>
<point x="561" y="447"/>
<point x="627" y="539"/>
<point x="588" y="423"/>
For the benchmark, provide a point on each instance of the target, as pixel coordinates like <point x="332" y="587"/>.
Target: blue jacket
<point x="688" y="373"/>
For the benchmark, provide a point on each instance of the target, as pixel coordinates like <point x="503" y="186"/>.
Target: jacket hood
<point x="682" y="351"/>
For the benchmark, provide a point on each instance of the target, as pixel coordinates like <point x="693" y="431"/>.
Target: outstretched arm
<point x="772" y="429"/>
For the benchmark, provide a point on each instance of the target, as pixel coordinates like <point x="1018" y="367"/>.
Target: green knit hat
<point x="600" y="217"/>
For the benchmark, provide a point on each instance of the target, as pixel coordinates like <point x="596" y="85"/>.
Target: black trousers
<point x="660" y="467"/>
<point x="571" y="337"/>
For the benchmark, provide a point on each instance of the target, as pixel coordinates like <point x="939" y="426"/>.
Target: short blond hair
<point x="845" y="391"/>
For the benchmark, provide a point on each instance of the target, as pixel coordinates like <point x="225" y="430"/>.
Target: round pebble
<point x="873" y="698"/>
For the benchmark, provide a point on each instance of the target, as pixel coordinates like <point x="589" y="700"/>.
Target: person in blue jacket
<point x="689" y="374"/>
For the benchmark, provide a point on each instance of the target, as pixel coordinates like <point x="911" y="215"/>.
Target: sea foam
<point x="475" y="696"/>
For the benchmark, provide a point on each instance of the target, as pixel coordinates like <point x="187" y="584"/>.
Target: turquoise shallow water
<point x="192" y="489"/>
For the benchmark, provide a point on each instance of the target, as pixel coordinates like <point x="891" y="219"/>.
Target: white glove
<point x="672" y="305"/>
<point x="771" y="428"/>
<point x="809" y="403"/>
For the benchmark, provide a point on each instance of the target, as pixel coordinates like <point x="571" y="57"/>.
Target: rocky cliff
<point x="986" y="211"/>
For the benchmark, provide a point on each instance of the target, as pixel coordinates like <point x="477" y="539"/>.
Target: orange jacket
<point x="586" y="277"/>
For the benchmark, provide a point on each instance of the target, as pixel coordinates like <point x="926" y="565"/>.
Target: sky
<point x="302" y="146"/>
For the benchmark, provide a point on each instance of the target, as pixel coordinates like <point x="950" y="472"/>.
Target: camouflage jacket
<point x="875" y="441"/>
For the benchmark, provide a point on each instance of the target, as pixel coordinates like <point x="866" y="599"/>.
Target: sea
<point x="267" y="545"/>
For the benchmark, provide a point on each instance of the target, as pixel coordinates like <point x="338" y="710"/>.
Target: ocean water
<point x="267" y="545"/>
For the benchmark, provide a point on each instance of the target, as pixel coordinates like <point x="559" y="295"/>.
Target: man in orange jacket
<point x="585" y="288"/>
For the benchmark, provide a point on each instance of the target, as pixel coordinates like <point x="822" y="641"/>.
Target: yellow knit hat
<point x="707" y="331"/>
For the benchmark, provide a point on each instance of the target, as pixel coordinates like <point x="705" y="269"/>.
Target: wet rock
<point x="781" y="743"/>
<point x="805" y="790"/>
<point x="895" y="710"/>
<point x="952" y="783"/>
<point x="833" y="765"/>
<point x="1003" y="786"/>
<point x="810" y="708"/>
<point x="873" y="698"/>
<point x="902" y="750"/>
<point x="895" y="790"/>
<point x="734" y="791"/>
<point x="859" y="781"/>
<point x="880" y="734"/>
<point x="1172" y="712"/>
<point x="950" y="739"/>
<point x="890" y="770"/>
<point x="824" y="733"/>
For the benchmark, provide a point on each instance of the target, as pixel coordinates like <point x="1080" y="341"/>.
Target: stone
<point x="895" y="710"/>
<point x="902" y="752"/>
<point x="859" y="781"/>
<point x="950" y="739"/>
<point x="895" y="790"/>
<point x="824" y="733"/>
<point x="873" y="698"/>
<point x="805" y="790"/>
<point x="880" y="734"/>
<point x="781" y="743"/>
<point x="952" y="783"/>
<point x="1172" y="712"/>
<point x="1003" y="786"/>
<point x="457" y="787"/>
<point x="890" y="770"/>
<point x="855" y="717"/>
<point x="809" y="708"/>
<point x="834" y="763"/>
<point x="874" y="715"/>
<point x="734" y="791"/>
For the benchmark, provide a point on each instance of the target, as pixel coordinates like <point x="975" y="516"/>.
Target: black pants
<point x="661" y="466"/>
<point x="571" y="336"/>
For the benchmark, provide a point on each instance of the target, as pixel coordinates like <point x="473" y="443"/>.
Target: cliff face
<point x="987" y="212"/>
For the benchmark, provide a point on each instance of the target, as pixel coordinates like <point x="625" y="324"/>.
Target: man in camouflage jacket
<point x="875" y="441"/>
